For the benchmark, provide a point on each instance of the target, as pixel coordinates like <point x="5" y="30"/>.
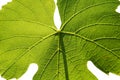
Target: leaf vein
<point x="101" y="46"/>
<point x="19" y="36"/>
<point x="93" y="25"/>
<point x="51" y="58"/>
<point x="84" y="9"/>
<point x="25" y="52"/>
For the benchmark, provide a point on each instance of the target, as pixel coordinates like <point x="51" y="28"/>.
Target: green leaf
<point x="90" y="31"/>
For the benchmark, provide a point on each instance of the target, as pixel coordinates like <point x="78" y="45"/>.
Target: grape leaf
<point x="90" y="31"/>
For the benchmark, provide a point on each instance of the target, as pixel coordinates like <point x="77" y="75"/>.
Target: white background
<point x="33" y="67"/>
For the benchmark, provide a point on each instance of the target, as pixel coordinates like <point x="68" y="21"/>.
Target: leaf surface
<point x="90" y="31"/>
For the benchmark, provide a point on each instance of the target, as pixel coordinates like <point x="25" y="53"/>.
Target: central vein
<point x="61" y="46"/>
